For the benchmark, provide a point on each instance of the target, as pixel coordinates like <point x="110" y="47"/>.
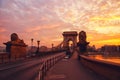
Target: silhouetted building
<point x="92" y="48"/>
<point x="110" y="48"/>
<point x="43" y="49"/>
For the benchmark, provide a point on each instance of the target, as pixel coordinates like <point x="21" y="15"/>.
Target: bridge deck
<point x="71" y="69"/>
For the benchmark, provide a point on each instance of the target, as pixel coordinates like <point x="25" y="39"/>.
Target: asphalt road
<point x="71" y="69"/>
<point x="24" y="70"/>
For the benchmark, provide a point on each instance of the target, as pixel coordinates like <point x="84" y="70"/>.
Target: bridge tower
<point x="69" y="36"/>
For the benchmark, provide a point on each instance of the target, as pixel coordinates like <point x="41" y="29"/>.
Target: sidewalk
<point x="71" y="69"/>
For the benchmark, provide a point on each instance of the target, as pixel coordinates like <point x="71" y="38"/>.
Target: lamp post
<point x="32" y="42"/>
<point x="31" y="51"/>
<point x="52" y="46"/>
<point x="38" y="43"/>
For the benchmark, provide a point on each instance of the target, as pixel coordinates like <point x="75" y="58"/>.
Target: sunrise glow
<point x="45" y="20"/>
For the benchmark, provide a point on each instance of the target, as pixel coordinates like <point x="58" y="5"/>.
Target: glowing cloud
<point x="46" y="20"/>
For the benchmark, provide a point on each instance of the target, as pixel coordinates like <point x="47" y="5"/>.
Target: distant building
<point x="43" y="49"/>
<point x="92" y="48"/>
<point x="31" y="49"/>
<point x="110" y="48"/>
<point x="118" y="48"/>
<point x="2" y="49"/>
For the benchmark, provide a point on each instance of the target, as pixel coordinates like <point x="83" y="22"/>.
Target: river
<point x="113" y="59"/>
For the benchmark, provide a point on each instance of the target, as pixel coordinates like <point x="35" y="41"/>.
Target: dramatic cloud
<point x="45" y="20"/>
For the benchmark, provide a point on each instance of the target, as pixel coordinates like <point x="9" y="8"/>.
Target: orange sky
<point x="45" y="20"/>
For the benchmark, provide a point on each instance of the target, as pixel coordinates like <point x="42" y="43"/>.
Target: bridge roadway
<point x="21" y="70"/>
<point x="71" y="69"/>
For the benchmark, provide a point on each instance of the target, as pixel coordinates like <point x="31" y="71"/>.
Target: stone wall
<point x="18" y="51"/>
<point x="16" y="47"/>
<point x="109" y="70"/>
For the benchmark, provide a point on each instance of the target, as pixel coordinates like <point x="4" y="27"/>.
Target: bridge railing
<point x="47" y="64"/>
<point x="107" y="69"/>
<point x="6" y="57"/>
<point x="3" y="56"/>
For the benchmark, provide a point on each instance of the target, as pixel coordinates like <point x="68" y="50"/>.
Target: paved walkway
<point x="71" y="69"/>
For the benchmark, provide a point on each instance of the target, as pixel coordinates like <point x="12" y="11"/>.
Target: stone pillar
<point x="69" y="35"/>
<point x="16" y="47"/>
<point x="82" y="44"/>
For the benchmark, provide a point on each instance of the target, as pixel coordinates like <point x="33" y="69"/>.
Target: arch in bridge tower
<point x="69" y="36"/>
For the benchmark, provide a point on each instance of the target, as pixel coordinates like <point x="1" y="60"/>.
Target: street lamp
<point x="38" y="42"/>
<point x="32" y="42"/>
<point x="31" y="51"/>
<point x="52" y="46"/>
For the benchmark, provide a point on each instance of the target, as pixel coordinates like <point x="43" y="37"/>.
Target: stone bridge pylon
<point x="72" y="36"/>
<point x="69" y="36"/>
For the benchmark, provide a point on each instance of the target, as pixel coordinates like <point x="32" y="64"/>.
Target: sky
<point x="46" y="20"/>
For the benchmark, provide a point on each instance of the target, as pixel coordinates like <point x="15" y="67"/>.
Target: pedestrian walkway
<point x="71" y="69"/>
